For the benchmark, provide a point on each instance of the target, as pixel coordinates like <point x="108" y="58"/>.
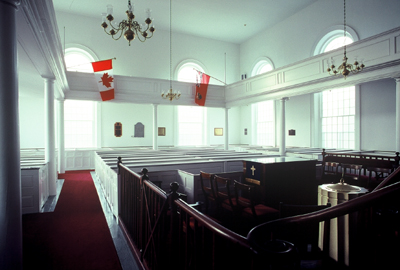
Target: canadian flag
<point x="104" y="78"/>
<point x="201" y="88"/>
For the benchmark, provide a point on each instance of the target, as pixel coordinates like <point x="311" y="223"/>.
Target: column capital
<point x="285" y="99"/>
<point x="49" y="78"/>
<point x="397" y="80"/>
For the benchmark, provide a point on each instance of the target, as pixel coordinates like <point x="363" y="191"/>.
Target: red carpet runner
<point x="75" y="235"/>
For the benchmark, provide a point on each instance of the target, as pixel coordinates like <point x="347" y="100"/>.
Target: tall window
<point x="265" y="124"/>
<point x="190" y="125"/>
<point x="190" y="119"/>
<point x="79" y="124"/>
<point x="338" y="118"/>
<point x="338" y="105"/>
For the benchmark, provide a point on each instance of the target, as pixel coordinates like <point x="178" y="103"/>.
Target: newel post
<point x="174" y="195"/>
<point x="144" y="174"/>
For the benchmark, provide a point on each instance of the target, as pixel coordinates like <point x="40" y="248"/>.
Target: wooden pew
<point x="370" y="162"/>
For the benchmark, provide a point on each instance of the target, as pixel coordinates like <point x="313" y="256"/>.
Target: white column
<point x="397" y="114"/>
<point x="50" y="134"/>
<point x="10" y="171"/>
<point x="282" y="144"/>
<point x="61" y="141"/>
<point x="226" y="144"/>
<point x="155" y="127"/>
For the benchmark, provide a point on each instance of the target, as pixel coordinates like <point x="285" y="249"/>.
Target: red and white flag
<point x="104" y="78"/>
<point x="201" y="88"/>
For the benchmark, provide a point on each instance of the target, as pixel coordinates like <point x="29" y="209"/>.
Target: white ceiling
<point x="225" y="20"/>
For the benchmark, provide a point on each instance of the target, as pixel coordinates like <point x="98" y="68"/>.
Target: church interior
<point x="301" y="107"/>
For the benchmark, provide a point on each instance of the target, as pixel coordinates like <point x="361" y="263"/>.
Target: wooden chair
<point x="352" y="174"/>
<point x="248" y="205"/>
<point x="304" y="237"/>
<point x="376" y="175"/>
<point x="207" y="186"/>
<point x="223" y="193"/>
<point x="330" y="172"/>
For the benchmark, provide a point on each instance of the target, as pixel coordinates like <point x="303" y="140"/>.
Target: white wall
<point x="31" y="121"/>
<point x="128" y="115"/>
<point x="151" y="59"/>
<point x="298" y="112"/>
<point x="378" y="115"/>
<point x="294" y="39"/>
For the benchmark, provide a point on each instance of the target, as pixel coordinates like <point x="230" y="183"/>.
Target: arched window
<point x="262" y="65"/>
<point x="186" y="71"/>
<point x="79" y="58"/>
<point x="334" y="38"/>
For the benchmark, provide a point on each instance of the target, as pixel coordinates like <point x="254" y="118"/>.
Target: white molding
<point x="37" y="33"/>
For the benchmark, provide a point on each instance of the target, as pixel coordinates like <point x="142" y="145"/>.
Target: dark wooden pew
<point x="366" y="169"/>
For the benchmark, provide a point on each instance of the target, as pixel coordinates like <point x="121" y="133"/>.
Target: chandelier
<point x="345" y="68"/>
<point x="129" y="28"/>
<point x="171" y="95"/>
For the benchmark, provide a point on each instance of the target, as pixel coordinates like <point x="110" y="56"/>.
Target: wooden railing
<point x="364" y="159"/>
<point x="371" y="206"/>
<point x="164" y="230"/>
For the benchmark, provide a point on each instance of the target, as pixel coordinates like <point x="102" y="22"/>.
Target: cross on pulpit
<point x="252" y="170"/>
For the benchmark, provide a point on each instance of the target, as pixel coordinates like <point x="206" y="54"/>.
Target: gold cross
<point x="252" y="170"/>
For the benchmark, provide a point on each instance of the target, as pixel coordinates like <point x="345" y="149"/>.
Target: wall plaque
<point x="118" y="129"/>
<point x="139" y="130"/>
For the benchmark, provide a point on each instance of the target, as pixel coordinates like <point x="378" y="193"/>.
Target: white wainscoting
<point x="34" y="188"/>
<point x="77" y="159"/>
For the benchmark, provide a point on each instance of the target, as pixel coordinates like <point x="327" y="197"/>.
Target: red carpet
<point x="75" y="235"/>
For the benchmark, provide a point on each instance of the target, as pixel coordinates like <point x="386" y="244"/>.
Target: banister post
<point x="174" y="225"/>
<point x="120" y="186"/>
<point x="119" y="162"/>
<point x="144" y="174"/>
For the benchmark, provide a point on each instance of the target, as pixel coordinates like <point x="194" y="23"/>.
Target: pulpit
<point x="290" y="180"/>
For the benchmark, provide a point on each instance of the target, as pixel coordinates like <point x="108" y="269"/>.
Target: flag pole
<point x="210" y="76"/>
<point x="92" y="62"/>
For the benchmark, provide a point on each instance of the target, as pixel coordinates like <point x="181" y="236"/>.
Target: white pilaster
<point x="397" y="114"/>
<point x="282" y="144"/>
<point x="155" y="127"/>
<point x="226" y="144"/>
<point x="50" y="134"/>
<point x="61" y="141"/>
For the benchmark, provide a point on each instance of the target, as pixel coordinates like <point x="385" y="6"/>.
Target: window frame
<point x="259" y="64"/>
<point x="82" y="51"/>
<point x="93" y="125"/>
<point x="188" y="63"/>
<point x="330" y="34"/>
<point x="270" y="141"/>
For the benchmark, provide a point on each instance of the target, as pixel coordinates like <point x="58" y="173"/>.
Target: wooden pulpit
<point x="290" y="180"/>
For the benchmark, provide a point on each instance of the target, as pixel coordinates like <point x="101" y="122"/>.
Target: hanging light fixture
<point x="129" y="28"/>
<point x="345" y="68"/>
<point x="171" y="95"/>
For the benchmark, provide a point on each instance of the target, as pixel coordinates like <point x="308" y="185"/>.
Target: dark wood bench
<point x="357" y="168"/>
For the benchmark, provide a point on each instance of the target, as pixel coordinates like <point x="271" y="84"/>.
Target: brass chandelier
<point x="171" y="95"/>
<point x="129" y="28"/>
<point x="345" y="68"/>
